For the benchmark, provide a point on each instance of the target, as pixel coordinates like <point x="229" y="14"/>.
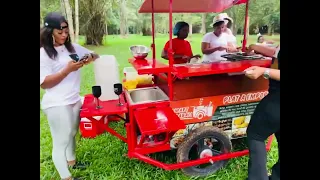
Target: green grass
<point x="107" y="153"/>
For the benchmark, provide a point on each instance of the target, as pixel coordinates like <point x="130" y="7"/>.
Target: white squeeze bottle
<point x="106" y="74"/>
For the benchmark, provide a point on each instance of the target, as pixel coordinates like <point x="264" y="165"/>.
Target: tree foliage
<point x="96" y="17"/>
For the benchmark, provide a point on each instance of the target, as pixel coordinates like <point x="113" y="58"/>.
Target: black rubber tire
<point x="195" y="135"/>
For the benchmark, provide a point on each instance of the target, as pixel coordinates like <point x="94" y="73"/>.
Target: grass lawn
<point x="106" y="153"/>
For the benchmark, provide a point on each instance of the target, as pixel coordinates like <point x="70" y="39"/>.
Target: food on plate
<point x="237" y="134"/>
<point x="239" y="120"/>
<point x="243" y="125"/>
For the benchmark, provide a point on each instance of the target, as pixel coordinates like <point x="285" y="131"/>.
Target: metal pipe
<point x="170" y="35"/>
<point x="170" y="53"/>
<point x="244" y="42"/>
<point x="153" y="46"/>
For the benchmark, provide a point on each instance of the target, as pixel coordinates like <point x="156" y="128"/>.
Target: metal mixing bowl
<point x="139" y="51"/>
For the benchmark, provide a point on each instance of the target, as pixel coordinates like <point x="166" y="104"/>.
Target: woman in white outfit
<point x="232" y="40"/>
<point x="214" y="44"/>
<point x="60" y="78"/>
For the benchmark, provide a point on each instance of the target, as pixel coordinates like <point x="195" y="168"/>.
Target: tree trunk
<point x="146" y="31"/>
<point x="69" y="18"/>
<point x="94" y="34"/>
<point x="126" y="25"/>
<point x="41" y="20"/>
<point x="203" y="24"/>
<point x="269" y="29"/>
<point x="62" y="8"/>
<point x="234" y="29"/>
<point x="256" y="29"/>
<point x="76" y="9"/>
<point x="190" y="32"/>
<point x="123" y="18"/>
<point x="106" y="28"/>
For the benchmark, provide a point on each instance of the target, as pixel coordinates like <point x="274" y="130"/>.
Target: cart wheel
<point x="200" y="143"/>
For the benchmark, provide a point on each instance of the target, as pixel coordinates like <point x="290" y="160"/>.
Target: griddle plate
<point x="240" y="57"/>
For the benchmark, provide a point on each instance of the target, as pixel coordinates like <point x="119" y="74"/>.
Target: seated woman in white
<point x="214" y="44"/>
<point x="262" y="41"/>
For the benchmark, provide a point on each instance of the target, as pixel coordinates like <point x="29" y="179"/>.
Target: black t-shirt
<point x="274" y="85"/>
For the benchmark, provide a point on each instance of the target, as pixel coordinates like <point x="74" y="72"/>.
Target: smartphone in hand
<point x="85" y="57"/>
<point x="76" y="58"/>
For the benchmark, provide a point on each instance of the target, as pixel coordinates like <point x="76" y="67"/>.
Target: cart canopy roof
<point x="188" y="6"/>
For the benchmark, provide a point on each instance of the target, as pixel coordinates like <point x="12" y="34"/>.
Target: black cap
<point x="54" y="20"/>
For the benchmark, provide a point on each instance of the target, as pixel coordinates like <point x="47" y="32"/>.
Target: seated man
<point x="182" y="52"/>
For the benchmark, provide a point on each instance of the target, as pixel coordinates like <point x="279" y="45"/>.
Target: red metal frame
<point x="194" y="162"/>
<point x="138" y="151"/>
<point x="153" y="42"/>
<point x="107" y="128"/>
<point x="152" y="66"/>
<point x="244" y="42"/>
<point x="152" y="69"/>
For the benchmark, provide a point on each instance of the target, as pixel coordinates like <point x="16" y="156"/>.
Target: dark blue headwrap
<point x="179" y="26"/>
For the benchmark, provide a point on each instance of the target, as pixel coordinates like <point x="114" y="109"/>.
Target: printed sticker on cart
<point x="194" y="112"/>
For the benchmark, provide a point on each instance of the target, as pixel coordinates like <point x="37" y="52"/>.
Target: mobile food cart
<point x="196" y="109"/>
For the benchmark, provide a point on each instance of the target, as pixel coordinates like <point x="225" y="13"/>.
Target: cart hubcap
<point x="206" y="153"/>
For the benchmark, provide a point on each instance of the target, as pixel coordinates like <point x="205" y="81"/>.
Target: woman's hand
<point x="254" y="72"/>
<point x="196" y="56"/>
<point x="186" y="58"/>
<point x="261" y="49"/>
<point x="91" y="57"/>
<point x="54" y="79"/>
<point x="72" y="66"/>
<point x="232" y="49"/>
<point x="249" y="53"/>
<point x="222" y="48"/>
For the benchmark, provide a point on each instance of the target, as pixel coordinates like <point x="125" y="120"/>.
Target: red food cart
<point x="196" y="109"/>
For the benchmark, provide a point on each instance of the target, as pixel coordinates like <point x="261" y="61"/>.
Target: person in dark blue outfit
<point x="266" y="119"/>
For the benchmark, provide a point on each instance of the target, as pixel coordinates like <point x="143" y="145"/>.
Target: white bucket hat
<point x="225" y="16"/>
<point x="218" y="18"/>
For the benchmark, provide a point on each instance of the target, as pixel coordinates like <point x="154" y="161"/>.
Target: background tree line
<point x="96" y="18"/>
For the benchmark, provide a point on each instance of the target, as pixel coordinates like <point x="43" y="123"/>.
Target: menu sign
<point x="231" y="113"/>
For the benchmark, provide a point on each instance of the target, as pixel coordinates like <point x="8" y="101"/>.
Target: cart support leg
<point x="193" y="162"/>
<point x="153" y="46"/>
<point x="244" y="42"/>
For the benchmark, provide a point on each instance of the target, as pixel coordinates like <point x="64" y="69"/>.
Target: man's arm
<point x="264" y="50"/>
<point x="274" y="74"/>
<point x="255" y="72"/>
